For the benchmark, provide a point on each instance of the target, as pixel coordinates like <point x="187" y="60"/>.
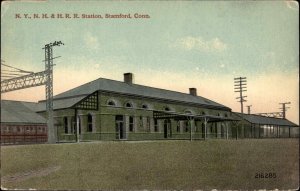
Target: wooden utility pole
<point x="240" y="85"/>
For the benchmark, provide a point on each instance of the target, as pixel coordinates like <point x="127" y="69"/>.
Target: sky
<point x="183" y="44"/>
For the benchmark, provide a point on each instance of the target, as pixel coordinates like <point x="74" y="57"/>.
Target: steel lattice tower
<point x="49" y="89"/>
<point x="36" y="79"/>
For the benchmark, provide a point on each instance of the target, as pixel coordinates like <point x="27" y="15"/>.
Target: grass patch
<point x="219" y="164"/>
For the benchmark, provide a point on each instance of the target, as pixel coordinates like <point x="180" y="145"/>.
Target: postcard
<point x="150" y="95"/>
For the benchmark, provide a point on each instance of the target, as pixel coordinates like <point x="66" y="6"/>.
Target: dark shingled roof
<point x="107" y="85"/>
<point x="263" y="120"/>
<point x="20" y="112"/>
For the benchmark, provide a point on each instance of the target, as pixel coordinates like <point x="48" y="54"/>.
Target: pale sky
<point x="183" y="44"/>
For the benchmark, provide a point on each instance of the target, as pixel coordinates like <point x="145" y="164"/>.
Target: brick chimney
<point x="193" y="91"/>
<point x="128" y="78"/>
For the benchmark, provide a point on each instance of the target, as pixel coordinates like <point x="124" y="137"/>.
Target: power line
<point x="20" y="70"/>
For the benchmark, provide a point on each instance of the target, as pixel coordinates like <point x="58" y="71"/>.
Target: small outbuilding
<point x="258" y="126"/>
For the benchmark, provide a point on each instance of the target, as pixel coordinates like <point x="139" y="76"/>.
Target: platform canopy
<point x="189" y="116"/>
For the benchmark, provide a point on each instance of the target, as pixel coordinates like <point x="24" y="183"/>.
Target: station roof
<point x="113" y="86"/>
<point x="20" y="112"/>
<point x="263" y="120"/>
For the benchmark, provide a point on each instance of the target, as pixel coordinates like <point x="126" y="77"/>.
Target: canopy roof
<point x="189" y="116"/>
<point x="263" y="120"/>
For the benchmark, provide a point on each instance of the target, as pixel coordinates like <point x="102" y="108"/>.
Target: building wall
<point x="104" y="120"/>
<point x="20" y="133"/>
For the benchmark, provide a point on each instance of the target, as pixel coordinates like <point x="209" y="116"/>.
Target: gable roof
<point x="20" y="112"/>
<point x="263" y="120"/>
<point x="107" y="85"/>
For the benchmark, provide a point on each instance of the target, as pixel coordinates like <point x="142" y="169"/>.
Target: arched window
<point x="167" y="108"/>
<point x="187" y="112"/>
<point x="218" y="114"/>
<point x="226" y="115"/>
<point x="203" y="113"/>
<point x="111" y="103"/>
<point x="66" y="125"/>
<point x="145" y="106"/>
<point x="128" y="104"/>
<point x="89" y="123"/>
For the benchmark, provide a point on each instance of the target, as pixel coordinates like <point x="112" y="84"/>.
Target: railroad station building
<point x="106" y="109"/>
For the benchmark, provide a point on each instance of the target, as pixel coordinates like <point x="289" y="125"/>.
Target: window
<point x="131" y="124"/>
<point x="111" y="103"/>
<point x="218" y="114"/>
<point x="148" y="123"/>
<point x="178" y="126"/>
<point x="73" y="123"/>
<point x="144" y="106"/>
<point x="90" y="123"/>
<point x="203" y="113"/>
<point x="196" y="127"/>
<point x="128" y="105"/>
<point x="66" y="124"/>
<point x="167" y="108"/>
<point x="226" y="115"/>
<point x="141" y="122"/>
<point x="186" y="126"/>
<point x="188" y="112"/>
<point x="155" y="125"/>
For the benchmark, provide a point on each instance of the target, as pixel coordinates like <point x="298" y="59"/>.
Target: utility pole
<point x="49" y="89"/>
<point x="284" y="108"/>
<point x="240" y="84"/>
<point x="249" y="108"/>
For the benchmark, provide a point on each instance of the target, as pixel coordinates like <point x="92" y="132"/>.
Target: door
<point x="167" y="128"/>
<point x="120" y="131"/>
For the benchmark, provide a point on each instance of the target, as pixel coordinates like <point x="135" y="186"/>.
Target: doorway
<point x="120" y="129"/>
<point x="167" y="128"/>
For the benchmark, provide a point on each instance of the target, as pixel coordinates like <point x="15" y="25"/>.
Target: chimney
<point x="193" y="91"/>
<point x="128" y="78"/>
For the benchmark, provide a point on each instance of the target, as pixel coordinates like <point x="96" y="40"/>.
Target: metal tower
<point x="49" y="89"/>
<point x="36" y="79"/>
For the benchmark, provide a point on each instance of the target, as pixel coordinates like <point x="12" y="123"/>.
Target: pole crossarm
<point x="22" y="82"/>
